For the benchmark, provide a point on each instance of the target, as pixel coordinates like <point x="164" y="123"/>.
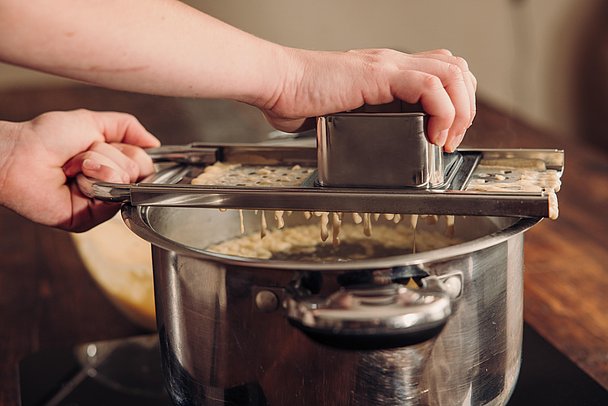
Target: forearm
<point x="160" y="47"/>
<point x="166" y="47"/>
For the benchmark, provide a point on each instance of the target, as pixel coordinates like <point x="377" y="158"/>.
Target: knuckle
<point x="81" y="113"/>
<point x="132" y="168"/>
<point x="444" y="51"/>
<point x="387" y="52"/>
<point x="382" y="58"/>
<point x="462" y="63"/>
<point x="129" y="118"/>
<point x="377" y="51"/>
<point x="376" y="68"/>
<point x="455" y="73"/>
<point x="361" y="53"/>
<point x="44" y="117"/>
<point x="432" y="83"/>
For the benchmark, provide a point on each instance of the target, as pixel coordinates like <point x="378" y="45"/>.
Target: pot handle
<point x="377" y="317"/>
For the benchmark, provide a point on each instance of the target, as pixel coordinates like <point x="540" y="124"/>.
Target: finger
<point x="119" y="159"/>
<point x="439" y="51"/>
<point x="454" y="83"/>
<point x="74" y="166"/>
<point x="414" y="86"/>
<point x="472" y="85"/>
<point x="469" y="78"/>
<point x="96" y="166"/>
<point x="123" y="127"/>
<point x="453" y="73"/>
<point x="106" y="173"/>
<point x="453" y="143"/>
<point x="138" y="156"/>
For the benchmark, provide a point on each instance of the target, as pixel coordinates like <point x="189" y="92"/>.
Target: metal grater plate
<point x="171" y="186"/>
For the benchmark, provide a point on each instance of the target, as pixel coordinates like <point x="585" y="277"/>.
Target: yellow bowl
<point x="121" y="264"/>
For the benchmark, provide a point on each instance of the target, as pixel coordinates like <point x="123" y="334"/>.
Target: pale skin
<point x="39" y="156"/>
<point x="168" y="48"/>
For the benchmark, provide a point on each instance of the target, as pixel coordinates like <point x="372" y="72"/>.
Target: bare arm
<point x="166" y="47"/>
<point x="149" y="46"/>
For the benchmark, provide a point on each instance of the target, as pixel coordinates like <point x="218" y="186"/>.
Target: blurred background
<point x="544" y="61"/>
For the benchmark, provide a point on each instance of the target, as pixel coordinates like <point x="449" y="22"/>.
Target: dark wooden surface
<point x="47" y="298"/>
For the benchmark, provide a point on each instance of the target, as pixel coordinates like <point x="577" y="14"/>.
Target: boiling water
<point x="304" y="243"/>
<point x="348" y="251"/>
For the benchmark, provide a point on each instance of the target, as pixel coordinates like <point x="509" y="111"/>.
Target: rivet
<point x="266" y="301"/>
<point x="453" y="286"/>
<point x="91" y="350"/>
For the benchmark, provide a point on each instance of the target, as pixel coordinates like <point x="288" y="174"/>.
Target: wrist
<point x="313" y="83"/>
<point x="8" y="139"/>
<point x="283" y="68"/>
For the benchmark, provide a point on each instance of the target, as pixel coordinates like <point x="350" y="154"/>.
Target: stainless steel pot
<point x="263" y="332"/>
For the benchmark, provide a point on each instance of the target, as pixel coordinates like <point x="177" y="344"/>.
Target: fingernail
<point x="91" y="164"/>
<point x="451" y="144"/>
<point x="456" y="140"/>
<point x="126" y="178"/>
<point x="441" y="138"/>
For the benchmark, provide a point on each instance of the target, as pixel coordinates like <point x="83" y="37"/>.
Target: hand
<point x="43" y="154"/>
<point x="325" y="82"/>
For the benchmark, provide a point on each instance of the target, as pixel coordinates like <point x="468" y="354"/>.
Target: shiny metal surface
<point x="344" y="200"/>
<point x="188" y="154"/>
<point x="220" y="347"/>
<point x="361" y="314"/>
<point x="171" y="187"/>
<point x="386" y="150"/>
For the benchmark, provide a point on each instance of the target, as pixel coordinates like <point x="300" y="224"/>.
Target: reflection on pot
<point x="220" y="344"/>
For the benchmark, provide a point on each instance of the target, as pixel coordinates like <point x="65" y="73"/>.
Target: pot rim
<point x="135" y="218"/>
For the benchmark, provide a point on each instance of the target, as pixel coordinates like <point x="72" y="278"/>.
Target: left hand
<point x="42" y="155"/>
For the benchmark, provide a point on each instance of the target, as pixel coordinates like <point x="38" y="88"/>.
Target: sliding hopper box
<point x="382" y="149"/>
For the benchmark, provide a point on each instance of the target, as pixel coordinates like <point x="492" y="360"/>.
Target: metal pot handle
<point x="377" y="317"/>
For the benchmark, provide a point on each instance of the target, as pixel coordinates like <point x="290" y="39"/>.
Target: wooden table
<point x="48" y="299"/>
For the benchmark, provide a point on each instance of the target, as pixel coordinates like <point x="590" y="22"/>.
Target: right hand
<point x="318" y="83"/>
